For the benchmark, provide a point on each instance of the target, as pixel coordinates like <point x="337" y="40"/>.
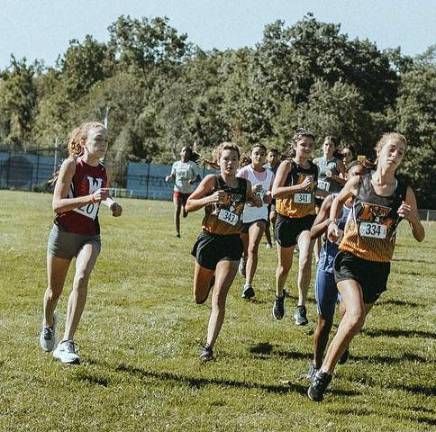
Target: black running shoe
<point x="344" y="357"/>
<point x="248" y="292"/>
<point x="300" y="315"/>
<point x="279" y="306"/>
<point x="206" y="354"/>
<point x="319" y="385"/>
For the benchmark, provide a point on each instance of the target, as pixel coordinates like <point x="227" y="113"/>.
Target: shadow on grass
<point x="91" y="379"/>
<point x="265" y="350"/>
<point x="196" y="382"/>
<point x="399" y="303"/>
<point x="412" y="260"/>
<point x="399" y="333"/>
<point x="416" y="389"/>
<point x="391" y="360"/>
<point x="366" y="412"/>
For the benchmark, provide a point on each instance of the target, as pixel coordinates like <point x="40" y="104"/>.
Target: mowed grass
<point x="140" y="336"/>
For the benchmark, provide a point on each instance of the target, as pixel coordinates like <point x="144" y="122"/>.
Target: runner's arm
<point x="322" y="219"/>
<point x="201" y="196"/>
<point x="409" y="210"/>
<point x="61" y="203"/>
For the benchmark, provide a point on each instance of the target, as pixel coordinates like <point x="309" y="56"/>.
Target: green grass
<point x="140" y="336"/>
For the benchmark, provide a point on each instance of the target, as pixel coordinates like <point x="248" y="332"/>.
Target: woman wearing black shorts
<point x="362" y="265"/>
<point x="294" y="190"/>
<point x="219" y="247"/>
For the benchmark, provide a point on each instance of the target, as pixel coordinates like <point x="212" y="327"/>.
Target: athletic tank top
<point x="252" y="213"/>
<point x="371" y="226"/>
<point x="327" y="184"/>
<point x="226" y="219"/>
<point x="86" y="180"/>
<point x="329" y="250"/>
<point x="302" y="203"/>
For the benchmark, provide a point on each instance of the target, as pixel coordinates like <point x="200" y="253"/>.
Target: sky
<point x="42" y="29"/>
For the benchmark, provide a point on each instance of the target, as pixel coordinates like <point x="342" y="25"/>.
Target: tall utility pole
<point x="56" y="150"/>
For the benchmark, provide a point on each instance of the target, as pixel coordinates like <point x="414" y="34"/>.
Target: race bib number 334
<point x="372" y="230"/>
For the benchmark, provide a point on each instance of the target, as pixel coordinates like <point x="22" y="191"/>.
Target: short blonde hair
<point x="78" y="134"/>
<point x="386" y="137"/>
<point x="228" y="146"/>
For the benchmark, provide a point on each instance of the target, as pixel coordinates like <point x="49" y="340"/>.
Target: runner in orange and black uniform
<point x="218" y="248"/>
<point x="294" y="189"/>
<point x="363" y="264"/>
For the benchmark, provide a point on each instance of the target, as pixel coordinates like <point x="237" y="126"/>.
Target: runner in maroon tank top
<point x="80" y="188"/>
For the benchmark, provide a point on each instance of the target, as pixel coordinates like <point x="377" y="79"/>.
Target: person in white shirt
<point x="254" y="218"/>
<point x="185" y="173"/>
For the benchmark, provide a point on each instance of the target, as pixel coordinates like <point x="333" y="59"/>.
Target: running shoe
<point x="319" y="385"/>
<point x="65" y="352"/>
<point x="300" y="315"/>
<point x="311" y="372"/>
<point x="248" y="292"/>
<point x="206" y="354"/>
<point x="184" y="213"/>
<point x="344" y="357"/>
<point x="279" y="306"/>
<point x="242" y="265"/>
<point x="47" y="338"/>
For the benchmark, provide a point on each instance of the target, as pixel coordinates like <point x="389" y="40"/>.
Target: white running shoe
<point x="65" y="352"/>
<point x="47" y="338"/>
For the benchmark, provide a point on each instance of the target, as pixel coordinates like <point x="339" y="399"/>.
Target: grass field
<point x="140" y="336"/>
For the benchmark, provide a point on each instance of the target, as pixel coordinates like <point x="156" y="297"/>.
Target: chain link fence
<point x="33" y="170"/>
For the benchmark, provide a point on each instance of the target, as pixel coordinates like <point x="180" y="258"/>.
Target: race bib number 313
<point x="372" y="230"/>
<point x="228" y="217"/>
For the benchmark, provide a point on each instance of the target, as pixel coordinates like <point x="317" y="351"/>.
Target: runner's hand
<point x="116" y="209"/>
<point x="218" y="197"/>
<point x="100" y="195"/>
<point x="405" y="211"/>
<point x="267" y="198"/>
<point x="307" y="183"/>
<point x="333" y="232"/>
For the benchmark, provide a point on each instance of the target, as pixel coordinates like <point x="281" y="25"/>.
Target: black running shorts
<point x="288" y="229"/>
<point x="209" y="249"/>
<point x="372" y="276"/>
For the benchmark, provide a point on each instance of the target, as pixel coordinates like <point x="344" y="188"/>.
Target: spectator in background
<point x="184" y="173"/>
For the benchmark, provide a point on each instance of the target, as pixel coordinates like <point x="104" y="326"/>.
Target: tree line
<point x="164" y="92"/>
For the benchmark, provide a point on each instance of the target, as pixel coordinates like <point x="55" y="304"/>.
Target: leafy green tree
<point x="18" y="99"/>
<point x="416" y="119"/>
<point x="145" y="43"/>
<point x="83" y="64"/>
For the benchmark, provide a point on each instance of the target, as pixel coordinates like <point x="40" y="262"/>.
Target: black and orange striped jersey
<point x="226" y="218"/>
<point x="371" y="227"/>
<point x="299" y="204"/>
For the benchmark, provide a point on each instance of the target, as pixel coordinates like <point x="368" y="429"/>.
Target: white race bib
<point x="228" y="217"/>
<point x="323" y="185"/>
<point x="303" y="198"/>
<point x="89" y="210"/>
<point x="372" y="230"/>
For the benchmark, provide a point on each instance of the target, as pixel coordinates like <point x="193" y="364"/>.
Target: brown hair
<point x="258" y="145"/>
<point x="78" y="134"/>
<point x="299" y="133"/>
<point x="227" y="146"/>
<point x="386" y="137"/>
<point x="332" y="139"/>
